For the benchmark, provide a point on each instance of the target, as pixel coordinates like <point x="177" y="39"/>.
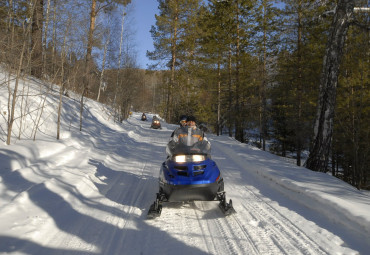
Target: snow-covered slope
<point x="89" y="193"/>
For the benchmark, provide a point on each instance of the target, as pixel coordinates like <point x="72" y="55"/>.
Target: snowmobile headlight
<point x="189" y="158"/>
<point x="180" y="159"/>
<point x="198" y="158"/>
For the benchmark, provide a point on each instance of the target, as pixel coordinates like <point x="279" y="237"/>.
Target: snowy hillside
<point x="89" y="193"/>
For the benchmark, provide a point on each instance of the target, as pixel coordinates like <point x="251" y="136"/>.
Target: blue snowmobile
<point x="189" y="174"/>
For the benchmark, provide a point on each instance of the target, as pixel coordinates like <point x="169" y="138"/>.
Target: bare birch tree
<point x="44" y="39"/>
<point x="101" y="82"/>
<point x="36" y="37"/>
<point x="323" y="129"/>
<point x="115" y="105"/>
<point x="62" y="82"/>
<point x="13" y="96"/>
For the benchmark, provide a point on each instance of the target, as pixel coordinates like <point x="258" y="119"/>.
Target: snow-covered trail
<point x="104" y="211"/>
<point x="275" y="223"/>
<point x="261" y="226"/>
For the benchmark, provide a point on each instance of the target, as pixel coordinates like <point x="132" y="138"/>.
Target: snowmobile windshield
<point x="178" y="148"/>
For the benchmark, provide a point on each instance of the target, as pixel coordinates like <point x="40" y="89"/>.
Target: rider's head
<point x="182" y="120"/>
<point x="190" y="121"/>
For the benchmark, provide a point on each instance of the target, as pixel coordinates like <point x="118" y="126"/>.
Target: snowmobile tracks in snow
<point x="282" y="230"/>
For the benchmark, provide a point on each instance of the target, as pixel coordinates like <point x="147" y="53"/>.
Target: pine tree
<point x="267" y="17"/>
<point x="170" y="47"/>
<point x="216" y="24"/>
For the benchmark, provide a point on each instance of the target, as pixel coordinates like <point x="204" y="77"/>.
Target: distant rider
<point x="143" y="116"/>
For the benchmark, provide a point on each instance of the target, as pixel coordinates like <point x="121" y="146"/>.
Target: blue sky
<point x="144" y="12"/>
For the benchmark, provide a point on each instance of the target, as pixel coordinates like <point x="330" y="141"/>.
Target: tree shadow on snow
<point x="108" y="237"/>
<point x="13" y="180"/>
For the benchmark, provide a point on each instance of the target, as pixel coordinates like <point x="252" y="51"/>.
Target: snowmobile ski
<point x="226" y="208"/>
<point x="155" y="209"/>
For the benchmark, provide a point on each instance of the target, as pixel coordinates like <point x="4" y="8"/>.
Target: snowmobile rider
<point x="143" y="116"/>
<point x="196" y="132"/>
<point x="183" y="120"/>
<point x="188" y="134"/>
<point x="182" y="123"/>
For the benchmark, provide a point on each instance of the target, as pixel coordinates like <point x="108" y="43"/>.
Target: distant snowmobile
<point x="155" y="123"/>
<point x="189" y="174"/>
<point x="143" y="117"/>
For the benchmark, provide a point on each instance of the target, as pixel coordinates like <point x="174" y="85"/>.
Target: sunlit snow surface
<point x="89" y="193"/>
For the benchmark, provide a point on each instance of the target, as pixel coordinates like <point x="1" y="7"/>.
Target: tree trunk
<point x="173" y="66"/>
<point x="14" y="99"/>
<point x="90" y="36"/>
<point x="218" y="97"/>
<point x="62" y="84"/>
<point x="44" y="40"/>
<point x="54" y="42"/>
<point x="230" y="97"/>
<point x="88" y="58"/>
<point x="116" y="105"/>
<point x="299" y="119"/>
<point x="263" y="125"/>
<point x="37" y="124"/>
<point x="239" y="132"/>
<point x="36" y="38"/>
<point x="103" y="67"/>
<point x="323" y="130"/>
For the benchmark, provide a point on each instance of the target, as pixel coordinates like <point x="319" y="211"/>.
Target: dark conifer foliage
<point x="256" y="67"/>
